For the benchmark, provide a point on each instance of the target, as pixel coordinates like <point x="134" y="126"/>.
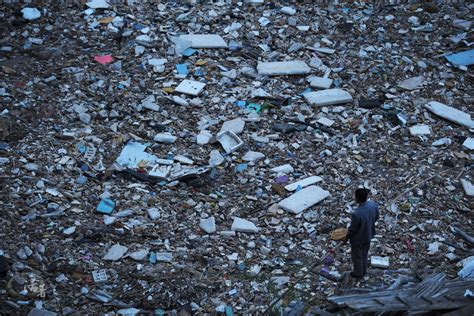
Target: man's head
<point x="361" y="195"/>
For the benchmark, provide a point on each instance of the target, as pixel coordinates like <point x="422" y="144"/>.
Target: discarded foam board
<point x="229" y="141"/>
<point x="301" y="200"/>
<point x="465" y="58"/>
<point x="380" y="262"/>
<point x="283" y="68"/>
<point x="98" y="4"/>
<point x="469" y="143"/>
<point x="468" y="187"/>
<point x="288" y="10"/>
<point x="419" y="130"/>
<point x="115" y="252"/>
<point x="414" y="83"/>
<point x="190" y="87"/>
<point x="328" y="97"/>
<point x="165" y="138"/>
<point x="133" y="153"/>
<point x="451" y="114"/>
<point x="286" y="169"/>
<point x="208" y="225"/>
<point x="321" y="82"/>
<point x="253" y="156"/>
<point x="204" y="40"/>
<point x="243" y="225"/>
<point x="303" y="183"/>
<point x="236" y="125"/>
<point x="325" y="121"/>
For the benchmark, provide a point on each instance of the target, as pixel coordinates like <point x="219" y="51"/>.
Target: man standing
<point x="361" y="231"/>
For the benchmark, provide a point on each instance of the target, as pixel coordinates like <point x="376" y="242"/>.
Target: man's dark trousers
<point x="360" y="258"/>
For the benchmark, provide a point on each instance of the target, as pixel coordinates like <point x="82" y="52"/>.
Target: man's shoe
<point x="355" y="276"/>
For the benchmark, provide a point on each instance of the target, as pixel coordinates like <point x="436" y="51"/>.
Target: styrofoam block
<point x="380" y="262"/>
<point x="303" y="183"/>
<point x="469" y="143"/>
<point x="204" y="40"/>
<point x="243" y="225"/>
<point x="451" y="114"/>
<point x="418" y="130"/>
<point x="295" y="67"/>
<point x="328" y="97"/>
<point x="190" y="87"/>
<point x="301" y="200"/>
<point x="320" y="82"/>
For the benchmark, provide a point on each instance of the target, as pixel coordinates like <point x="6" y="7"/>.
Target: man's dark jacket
<point x="362" y="228"/>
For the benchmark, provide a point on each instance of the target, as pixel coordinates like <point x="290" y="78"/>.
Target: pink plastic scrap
<point x="104" y="59"/>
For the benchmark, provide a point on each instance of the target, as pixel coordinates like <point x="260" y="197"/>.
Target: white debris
<point x="233" y="257"/>
<point x="165" y="138"/>
<point x="321" y="82"/>
<point x="469" y="143"/>
<point x="183" y="159"/>
<point x="115" y="253"/>
<point x="131" y="311"/>
<point x="280" y="281"/>
<point x="69" y="231"/>
<point x="325" y="121"/>
<point x="253" y="156"/>
<point x="143" y="38"/>
<point x="164" y="256"/>
<point x="295" y="67"/>
<point x="179" y="100"/>
<point x="442" y="142"/>
<point x="160" y="171"/>
<point x="243" y="225"/>
<point x="98" y="4"/>
<point x="204" y="40"/>
<point x="149" y="103"/>
<point x="468" y="187"/>
<point x="229" y="141"/>
<point x="380" y="262"/>
<point x="433" y="247"/>
<point x="286" y="169"/>
<point x="303" y="183"/>
<point x="203" y="137"/>
<point x="31" y="166"/>
<point x="288" y="10"/>
<point x="215" y="158"/>
<point x="304" y="199"/>
<point x="208" y="225"/>
<point x="139" y="255"/>
<point x="158" y="64"/>
<point x="31" y="13"/>
<point x="133" y="153"/>
<point x="255" y="270"/>
<point x="325" y="50"/>
<point x="190" y="87"/>
<point x="236" y="125"/>
<point x="328" y="97"/>
<point x="419" y="130"/>
<point x="233" y="27"/>
<point x="412" y="83"/>
<point x="467" y="272"/>
<point x="154" y="213"/>
<point x="450" y="114"/>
